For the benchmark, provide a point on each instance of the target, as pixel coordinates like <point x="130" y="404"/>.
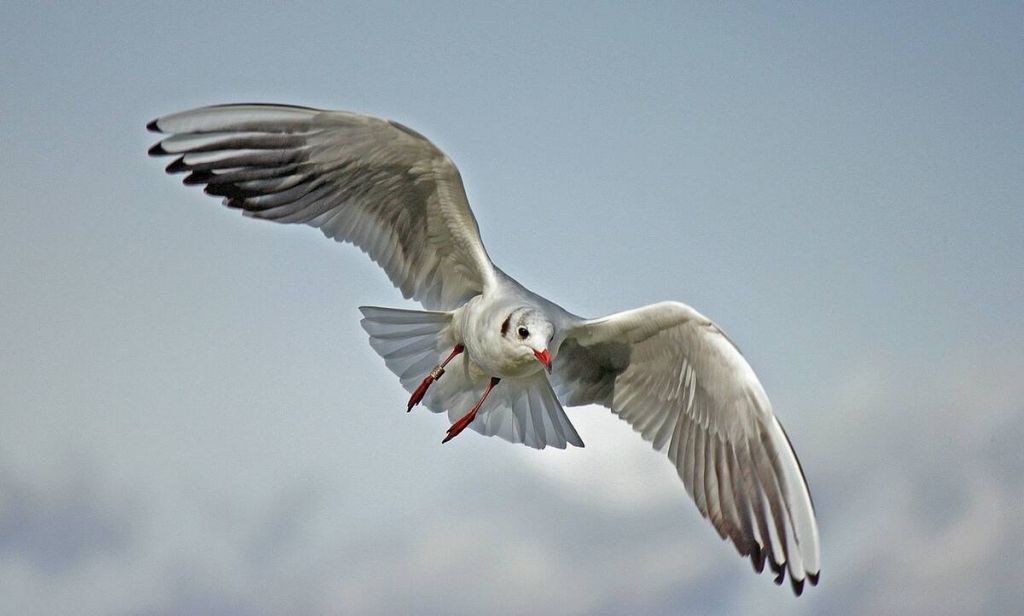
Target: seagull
<point x="510" y="359"/>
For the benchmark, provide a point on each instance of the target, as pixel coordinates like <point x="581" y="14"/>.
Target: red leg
<point x="461" y="424"/>
<point x="434" y="375"/>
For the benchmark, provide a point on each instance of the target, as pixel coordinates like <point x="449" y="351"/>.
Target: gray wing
<point x="678" y="381"/>
<point x="359" y="179"/>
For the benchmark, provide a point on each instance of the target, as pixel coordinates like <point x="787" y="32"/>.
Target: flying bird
<point x="495" y="356"/>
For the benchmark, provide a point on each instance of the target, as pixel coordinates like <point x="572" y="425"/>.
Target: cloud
<point x="65" y="525"/>
<point x="918" y="499"/>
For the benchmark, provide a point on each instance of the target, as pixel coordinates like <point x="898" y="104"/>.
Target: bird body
<point x="485" y="343"/>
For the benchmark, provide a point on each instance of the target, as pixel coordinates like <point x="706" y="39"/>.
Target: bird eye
<point x="523" y="332"/>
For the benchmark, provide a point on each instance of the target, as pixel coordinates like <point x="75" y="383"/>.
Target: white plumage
<point x="665" y="369"/>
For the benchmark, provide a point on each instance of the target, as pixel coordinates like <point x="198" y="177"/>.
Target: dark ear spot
<point x="504" y="326"/>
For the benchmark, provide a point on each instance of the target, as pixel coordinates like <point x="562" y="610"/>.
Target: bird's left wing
<point x="678" y="381"/>
<point x="359" y="179"/>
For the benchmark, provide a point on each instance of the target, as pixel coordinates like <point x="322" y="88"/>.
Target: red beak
<point x="545" y="358"/>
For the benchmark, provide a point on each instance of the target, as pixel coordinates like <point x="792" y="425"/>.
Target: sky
<point x="192" y="421"/>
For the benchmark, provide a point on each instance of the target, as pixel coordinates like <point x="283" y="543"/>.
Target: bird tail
<point x="410" y="341"/>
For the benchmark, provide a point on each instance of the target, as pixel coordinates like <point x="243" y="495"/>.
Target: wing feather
<point x="711" y="489"/>
<point x="684" y="386"/>
<point x="698" y="471"/>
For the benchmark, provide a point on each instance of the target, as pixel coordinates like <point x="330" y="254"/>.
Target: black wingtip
<point x="798" y="585"/>
<point x="757" y="558"/>
<point x="198" y="177"/>
<point x="177" y="166"/>
<point x="231" y="191"/>
<point x="813" y="578"/>
<point x="779" y="571"/>
<point x="158" y="150"/>
<point x="153" y="128"/>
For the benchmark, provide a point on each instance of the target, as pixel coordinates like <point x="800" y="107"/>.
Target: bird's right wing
<point x="359" y="179"/>
<point x="678" y="381"/>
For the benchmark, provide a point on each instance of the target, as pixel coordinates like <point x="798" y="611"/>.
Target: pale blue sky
<point x="191" y="420"/>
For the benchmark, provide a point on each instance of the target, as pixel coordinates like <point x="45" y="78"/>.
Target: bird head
<point x="529" y="333"/>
